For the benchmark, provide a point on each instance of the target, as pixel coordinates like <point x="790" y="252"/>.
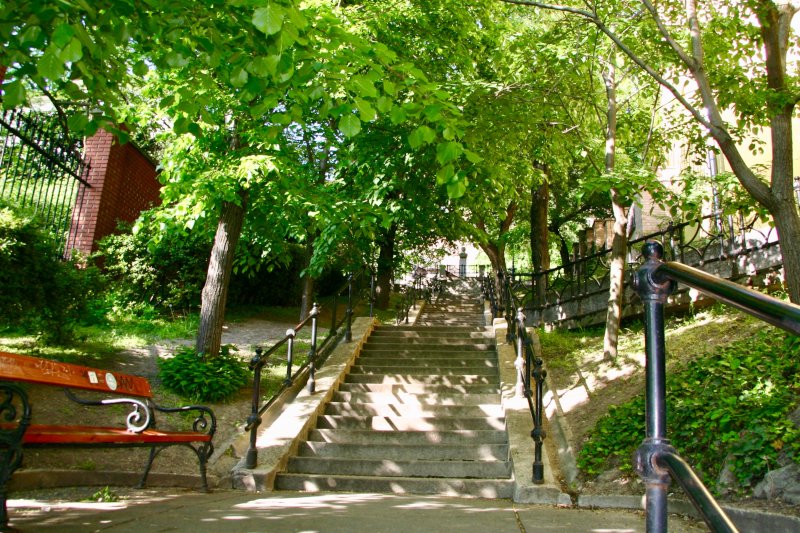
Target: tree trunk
<point x="619" y="248"/>
<point x="619" y="243"/>
<point x="496" y="255"/>
<point x="787" y="223"/>
<point x="220" y="265"/>
<point x="385" y="268"/>
<point x="307" y="294"/>
<point x="540" y="249"/>
<point x="784" y="207"/>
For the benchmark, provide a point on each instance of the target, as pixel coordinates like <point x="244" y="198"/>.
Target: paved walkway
<point x="277" y="512"/>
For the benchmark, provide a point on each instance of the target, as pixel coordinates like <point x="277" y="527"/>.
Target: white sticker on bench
<point x="111" y="381"/>
<point x="93" y="377"/>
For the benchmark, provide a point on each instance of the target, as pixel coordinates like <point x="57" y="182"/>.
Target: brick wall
<point x="123" y="184"/>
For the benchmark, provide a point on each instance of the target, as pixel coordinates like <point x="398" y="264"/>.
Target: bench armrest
<point x="15" y="417"/>
<point x="205" y="421"/>
<point x="139" y="419"/>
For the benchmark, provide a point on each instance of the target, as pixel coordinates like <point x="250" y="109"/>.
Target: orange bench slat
<point x="28" y="369"/>
<point x="52" y="434"/>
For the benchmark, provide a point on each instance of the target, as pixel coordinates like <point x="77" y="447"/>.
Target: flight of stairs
<point x="419" y="412"/>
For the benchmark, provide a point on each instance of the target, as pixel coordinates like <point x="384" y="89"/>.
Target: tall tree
<point x="748" y="74"/>
<point x="243" y="72"/>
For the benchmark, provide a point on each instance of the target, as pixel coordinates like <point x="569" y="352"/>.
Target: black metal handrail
<point x="656" y="460"/>
<point x="257" y="365"/>
<point x="351" y="287"/>
<point x="527" y="364"/>
<point x="316" y="355"/>
<point x="410" y="295"/>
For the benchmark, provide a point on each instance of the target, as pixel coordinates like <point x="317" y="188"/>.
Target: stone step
<point x="410" y="423"/>
<point x="407" y="438"/>
<point x="427" y="347"/>
<point x="412" y="410"/>
<point x="455" y="309"/>
<point x="401" y="372"/>
<point x="445" y="362"/>
<point x="381" y="333"/>
<point x="435" y="329"/>
<point x="415" y="398"/>
<point x="418" y="388"/>
<point x="422" y="379"/>
<point x="428" y="354"/>
<point x="405" y="452"/>
<point x="479" y="488"/>
<point x="433" y="321"/>
<point x="424" y="356"/>
<point x="429" y="341"/>
<point x="400" y="468"/>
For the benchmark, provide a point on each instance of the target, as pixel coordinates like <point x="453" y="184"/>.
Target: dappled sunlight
<point x="59" y="506"/>
<point x="317" y="501"/>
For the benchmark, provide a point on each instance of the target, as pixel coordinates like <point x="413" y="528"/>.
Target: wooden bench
<point x="137" y="430"/>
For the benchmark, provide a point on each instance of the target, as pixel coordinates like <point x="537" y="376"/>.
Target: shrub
<point x="39" y="292"/>
<point x="731" y="404"/>
<point x="204" y="379"/>
<point x="168" y="272"/>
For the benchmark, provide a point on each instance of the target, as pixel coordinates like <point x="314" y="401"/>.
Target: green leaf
<point x="63" y="34"/>
<point x="72" y="52"/>
<point x="445" y="174"/>
<point x="141" y="69"/>
<point x="176" y="60"/>
<point x="365" y="110"/>
<point x="364" y="87"/>
<point x="398" y="115"/>
<point x="350" y="125"/>
<point x="472" y="157"/>
<point x="269" y="20"/>
<point x="421" y="135"/>
<point x="433" y="112"/>
<point x="14" y="94"/>
<point x="239" y="77"/>
<point x="264" y="66"/>
<point x="456" y="189"/>
<point x="389" y="87"/>
<point x="448" y="151"/>
<point x="77" y="122"/>
<point x="50" y="66"/>
<point x="384" y="104"/>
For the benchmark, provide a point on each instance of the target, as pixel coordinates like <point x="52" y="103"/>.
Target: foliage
<point x="104" y="495"/>
<point x="204" y="379"/>
<point x="39" y="292"/>
<point x="731" y="404"/>
<point x="163" y="273"/>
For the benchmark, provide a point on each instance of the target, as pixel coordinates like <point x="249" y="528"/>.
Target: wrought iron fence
<point x="42" y="169"/>
<point x="711" y="238"/>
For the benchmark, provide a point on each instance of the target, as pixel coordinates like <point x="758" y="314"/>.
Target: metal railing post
<point x="538" y="433"/>
<point x="519" y="362"/>
<point x="654" y="291"/>
<point x="312" y="353"/>
<point x="371" y="294"/>
<point x="290" y="335"/>
<point x="348" y="335"/>
<point x="254" y="420"/>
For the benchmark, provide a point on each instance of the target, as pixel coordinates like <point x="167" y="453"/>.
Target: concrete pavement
<point x="236" y="511"/>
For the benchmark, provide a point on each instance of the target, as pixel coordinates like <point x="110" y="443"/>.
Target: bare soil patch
<point x="51" y="406"/>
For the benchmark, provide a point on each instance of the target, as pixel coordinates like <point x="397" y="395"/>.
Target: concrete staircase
<point x="419" y="412"/>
